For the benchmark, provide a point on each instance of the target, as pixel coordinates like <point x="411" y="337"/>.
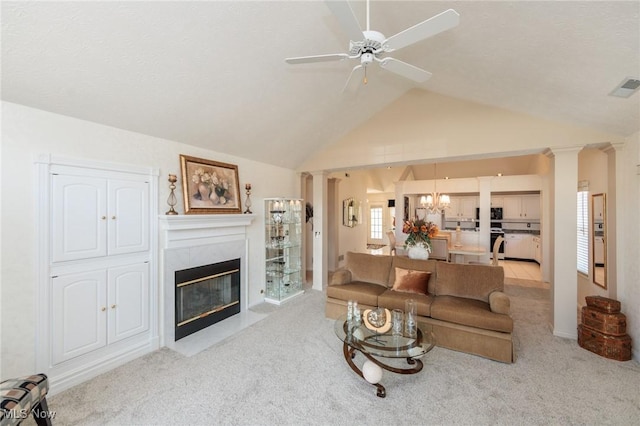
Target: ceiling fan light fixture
<point x="371" y="46"/>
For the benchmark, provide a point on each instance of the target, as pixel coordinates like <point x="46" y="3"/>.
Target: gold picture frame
<point x="209" y="186"/>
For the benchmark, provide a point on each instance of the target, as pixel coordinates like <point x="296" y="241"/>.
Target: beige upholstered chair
<point x="496" y="249"/>
<point x="439" y="249"/>
<point x="392" y="242"/>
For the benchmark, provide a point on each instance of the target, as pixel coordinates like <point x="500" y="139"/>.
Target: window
<point x="376" y="223"/>
<point x="583" y="232"/>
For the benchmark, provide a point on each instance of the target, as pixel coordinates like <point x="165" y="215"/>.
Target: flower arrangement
<point x="419" y="233"/>
<point x="211" y="186"/>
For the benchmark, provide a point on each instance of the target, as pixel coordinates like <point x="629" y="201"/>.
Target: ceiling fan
<point x="372" y="46"/>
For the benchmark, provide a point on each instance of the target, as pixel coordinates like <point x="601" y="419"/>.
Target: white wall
<point x="28" y="132"/>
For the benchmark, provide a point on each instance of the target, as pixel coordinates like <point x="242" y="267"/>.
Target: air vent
<point x="627" y="88"/>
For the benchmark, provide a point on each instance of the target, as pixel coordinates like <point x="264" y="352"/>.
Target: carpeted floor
<point x="289" y="369"/>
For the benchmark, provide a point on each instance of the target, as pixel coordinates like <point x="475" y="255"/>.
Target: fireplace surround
<point x="191" y="241"/>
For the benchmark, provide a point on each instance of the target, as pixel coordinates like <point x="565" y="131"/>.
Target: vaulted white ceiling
<point x="212" y="73"/>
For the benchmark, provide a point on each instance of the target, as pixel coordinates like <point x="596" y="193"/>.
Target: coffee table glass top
<point x="384" y="345"/>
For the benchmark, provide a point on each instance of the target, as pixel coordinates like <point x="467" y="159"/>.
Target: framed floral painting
<point x="209" y="186"/>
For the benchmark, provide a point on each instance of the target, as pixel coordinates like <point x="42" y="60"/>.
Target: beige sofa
<point x="464" y="305"/>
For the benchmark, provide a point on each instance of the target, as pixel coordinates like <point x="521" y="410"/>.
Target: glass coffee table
<point x="358" y="338"/>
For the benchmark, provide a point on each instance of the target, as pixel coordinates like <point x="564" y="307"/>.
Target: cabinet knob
<point x="113" y="306"/>
<point x="103" y="218"/>
<point x="103" y="309"/>
<point x="113" y="217"/>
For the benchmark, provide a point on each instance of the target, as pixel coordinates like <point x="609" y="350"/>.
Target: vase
<point x="418" y="252"/>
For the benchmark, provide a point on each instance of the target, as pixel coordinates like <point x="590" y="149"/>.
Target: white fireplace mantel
<point x="194" y="240"/>
<point x="189" y="230"/>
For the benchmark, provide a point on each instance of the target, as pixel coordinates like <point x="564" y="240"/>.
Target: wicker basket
<point x="604" y="304"/>
<point x="612" y="347"/>
<point x="603" y="322"/>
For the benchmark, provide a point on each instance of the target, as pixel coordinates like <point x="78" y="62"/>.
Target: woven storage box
<point x="604" y="304"/>
<point x="595" y="319"/>
<point x="612" y="347"/>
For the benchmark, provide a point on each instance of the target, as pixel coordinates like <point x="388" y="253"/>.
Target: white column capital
<point x="551" y="152"/>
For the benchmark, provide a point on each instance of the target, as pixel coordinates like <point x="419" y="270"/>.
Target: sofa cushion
<point x="368" y="268"/>
<point x="473" y="313"/>
<point x="499" y="303"/>
<point x="415" y="265"/>
<point x="392" y="299"/>
<point x="363" y="293"/>
<point x="410" y="281"/>
<point x="469" y="281"/>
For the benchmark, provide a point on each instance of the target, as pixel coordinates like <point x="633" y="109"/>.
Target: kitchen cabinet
<point x="537" y="249"/>
<point x="518" y="246"/>
<point x="497" y="201"/>
<point x="463" y="207"/>
<point x="524" y="207"/>
<point x="283" y="249"/>
<point x="97" y="308"/>
<point x="598" y="251"/>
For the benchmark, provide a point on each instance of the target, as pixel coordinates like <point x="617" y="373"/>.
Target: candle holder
<point x="172" y="201"/>
<point x="247" y="202"/>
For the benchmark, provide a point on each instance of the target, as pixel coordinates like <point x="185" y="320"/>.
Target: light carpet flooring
<point x="288" y="369"/>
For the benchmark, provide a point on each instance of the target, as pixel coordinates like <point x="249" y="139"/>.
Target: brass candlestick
<point x="247" y="202"/>
<point x="172" y="201"/>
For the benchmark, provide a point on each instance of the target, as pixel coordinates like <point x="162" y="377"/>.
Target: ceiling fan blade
<point x="342" y="10"/>
<point x="425" y="29"/>
<point x="405" y="70"/>
<point x="350" y="83"/>
<point x="317" y="58"/>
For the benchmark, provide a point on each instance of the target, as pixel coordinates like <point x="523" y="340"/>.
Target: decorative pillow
<point x="410" y="281"/>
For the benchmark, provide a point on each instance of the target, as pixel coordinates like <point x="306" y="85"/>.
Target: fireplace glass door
<point x="206" y="295"/>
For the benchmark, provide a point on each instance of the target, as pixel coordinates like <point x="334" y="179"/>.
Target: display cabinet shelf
<point x="283" y="249"/>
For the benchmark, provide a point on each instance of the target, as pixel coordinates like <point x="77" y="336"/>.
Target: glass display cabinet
<point x="283" y="249"/>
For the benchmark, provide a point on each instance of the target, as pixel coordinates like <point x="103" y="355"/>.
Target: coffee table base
<point x="350" y="353"/>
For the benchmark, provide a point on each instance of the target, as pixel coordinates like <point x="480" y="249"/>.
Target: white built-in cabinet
<point x="524" y="207"/>
<point x="95" y="217"/>
<point x="99" y="301"/>
<point x="97" y="308"/>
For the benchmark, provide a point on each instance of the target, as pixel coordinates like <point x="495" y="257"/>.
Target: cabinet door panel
<point x="531" y="206"/>
<point x="78" y="318"/>
<point x="511" y="207"/>
<point x="128" y="301"/>
<point x="128" y="216"/>
<point x="78" y="222"/>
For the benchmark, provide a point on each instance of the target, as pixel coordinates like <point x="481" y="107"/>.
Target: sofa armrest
<point x="341" y="276"/>
<point x="499" y="303"/>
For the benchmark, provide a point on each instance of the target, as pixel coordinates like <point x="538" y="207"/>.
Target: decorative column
<point x="320" y="224"/>
<point x="564" y="234"/>
<point x="615" y="174"/>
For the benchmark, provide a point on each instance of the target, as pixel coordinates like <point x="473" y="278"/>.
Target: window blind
<point x="583" y="232"/>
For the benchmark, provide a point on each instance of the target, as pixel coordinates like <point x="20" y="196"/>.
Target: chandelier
<point x="435" y="202"/>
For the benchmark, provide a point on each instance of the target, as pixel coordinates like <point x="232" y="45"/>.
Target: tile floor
<point x="521" y="270"/>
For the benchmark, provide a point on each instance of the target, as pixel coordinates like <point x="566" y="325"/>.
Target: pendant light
<point x="435" y="202"/>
